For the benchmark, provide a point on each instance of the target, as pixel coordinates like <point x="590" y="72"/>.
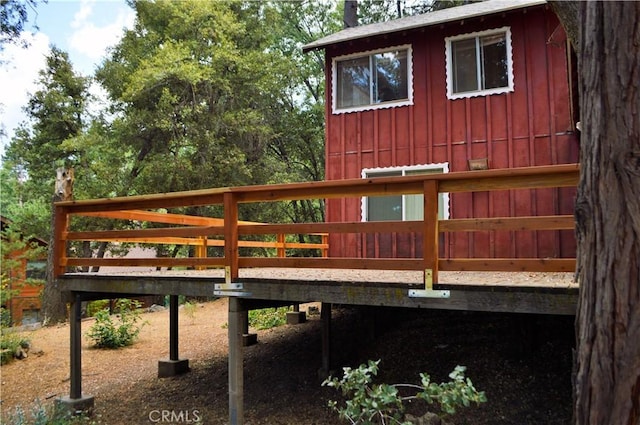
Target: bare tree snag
<point x="607" y="387"/>
<point x="350" y="18"/>
<point x="54" y="308"/>
<point x="568" y="12"/>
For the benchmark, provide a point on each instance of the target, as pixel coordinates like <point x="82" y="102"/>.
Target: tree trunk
<point x="54" y="308"/>
<point x="607" y="387"/>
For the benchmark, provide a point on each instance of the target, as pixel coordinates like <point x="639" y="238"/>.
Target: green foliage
<point x="15" y="249"/>
<point x="94" y="307"/>
<point x="382" y="403"/>
<point x="190" y="309"/>
<point x="268" y="318"/>
<point x="119" y="330"/>
<point x="43" y="415"/>
<point x="459" y="392"/>
<point x="10" y="345"/>
<point x="13" y="17"/>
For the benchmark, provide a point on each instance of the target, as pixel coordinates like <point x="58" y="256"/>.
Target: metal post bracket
<point x="428" y="291"/>
<point x="230" y="290"/>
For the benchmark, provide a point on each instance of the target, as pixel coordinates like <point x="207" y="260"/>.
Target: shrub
<point x="190" y="309"/>
<point x="11" y="345"/>
<point x="94" y="307"/>
<point x="382" y="403"/>
<point x="42" y="415"/>
<point x="119" y="330"/>
<point x="268" y="318"/>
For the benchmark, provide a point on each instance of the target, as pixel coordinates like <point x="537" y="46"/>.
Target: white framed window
<point x="370" y="80"/>
<point x="479" y="63"/>
<point x="402" y="207"/>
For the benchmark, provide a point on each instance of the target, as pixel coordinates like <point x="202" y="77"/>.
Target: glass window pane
<point x="465" y="77"/>
<point x="36" y="269"/>
<point x="414" y="207"/>
<point x="494" y="61"/>
<point x="381" y="208"/>
<point x="390" y="76"/>
<point x="353" y="82"/>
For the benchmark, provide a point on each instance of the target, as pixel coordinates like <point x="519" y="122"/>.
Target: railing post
<point x="430" y="233"/>
<point x="325" y="241"/>
<point x="280" y="242"/>
<point x="60" y="224"/>
<point x="201" y="250"/>
<point x="230" y="237"/>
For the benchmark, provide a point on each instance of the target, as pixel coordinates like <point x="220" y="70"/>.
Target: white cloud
<point x="18" y="73"/>
<point x="92" y="40"/>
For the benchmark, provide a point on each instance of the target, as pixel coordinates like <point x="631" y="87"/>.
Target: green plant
<point x="10" y="345"/>
<point x="382" y="403"/>
<point x="42" y="415"/>
<point x="190" y="309"/>
<point x="119" y="330"/>
<point x="268" y="318"/>
<point x="94" y="307"/>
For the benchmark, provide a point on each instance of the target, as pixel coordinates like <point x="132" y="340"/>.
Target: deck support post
<point x="75" y="403"/>
<point x="174" y="366"/>
<point x="237" y="315"/>
<point x="247" y="337"/>
<point x="296" y="316"/>
<point x="325" y="316"/>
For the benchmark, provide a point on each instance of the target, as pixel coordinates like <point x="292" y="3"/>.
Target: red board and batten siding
<point x="530" y="126"/>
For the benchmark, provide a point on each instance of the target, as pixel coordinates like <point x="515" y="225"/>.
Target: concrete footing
<point x="296" y="317"/>
<point x="168" y="368"/>
<point x="249" y="339"/>
<point x="75" y="406"/>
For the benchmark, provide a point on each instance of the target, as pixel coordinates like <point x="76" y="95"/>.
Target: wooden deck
<point x="519" y="285"/>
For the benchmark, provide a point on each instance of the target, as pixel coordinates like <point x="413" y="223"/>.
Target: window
<point x="479" y="63"/>
<point x="378" y="79"/>
<point x="402" y="207"/>
<point x="36" y="269"/>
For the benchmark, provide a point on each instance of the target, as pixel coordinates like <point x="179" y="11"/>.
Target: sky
<point x="85" y="29"/>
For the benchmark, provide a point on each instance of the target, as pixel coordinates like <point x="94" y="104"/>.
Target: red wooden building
<point x="24" y="305"/>
<point x="481" y="85"/>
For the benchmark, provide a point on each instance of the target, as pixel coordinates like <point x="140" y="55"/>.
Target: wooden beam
<point x="430" y="232"/>
<point x="334" y="263"/>
<point x="231" y="253"/>
<point x="509" y="264"/>
<point x="75" y="329"/>
<point x="464" y="181"/>
<point x="556" y="222"/>
<point x="145" y="262"/>
<point x="471" y="296"/>
<point x="60" y="224"/>
<point x="173" y="328"/>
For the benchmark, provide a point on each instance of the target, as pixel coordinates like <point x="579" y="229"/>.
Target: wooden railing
<point x="202" y="231"/>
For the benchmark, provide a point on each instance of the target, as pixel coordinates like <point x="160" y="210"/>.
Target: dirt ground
<point x="523" y="363"/>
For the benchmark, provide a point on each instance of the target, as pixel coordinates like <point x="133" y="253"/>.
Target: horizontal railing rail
<point x="231" y="234"/>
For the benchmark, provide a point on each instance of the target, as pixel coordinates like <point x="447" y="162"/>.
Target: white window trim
<point x="445" y="195"/>
<point x="449" y="64"/>
<point x="390" y="104"/>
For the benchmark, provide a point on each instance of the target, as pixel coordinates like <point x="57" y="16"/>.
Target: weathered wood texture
<point x="608" y="216"/>
<point x="53" y="307"/>
<point x="529" y="127"/>
<point x="470" y="296"/>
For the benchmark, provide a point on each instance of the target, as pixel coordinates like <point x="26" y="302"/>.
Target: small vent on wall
<point x="478" y="164"/>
